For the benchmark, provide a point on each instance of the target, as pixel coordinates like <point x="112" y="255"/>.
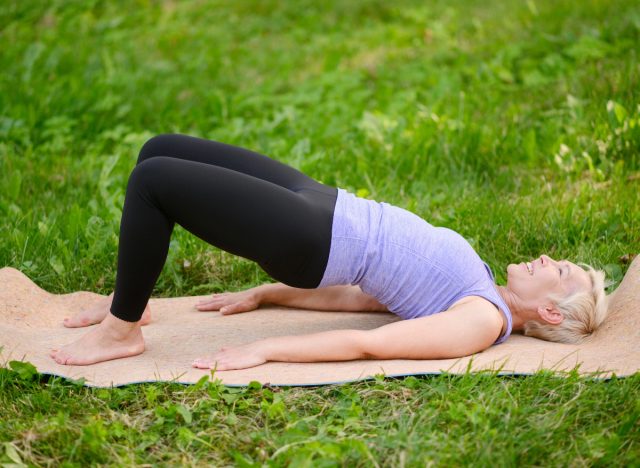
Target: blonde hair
<point x="583" y="312"/>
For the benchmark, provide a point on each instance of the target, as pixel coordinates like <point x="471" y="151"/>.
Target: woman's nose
<point x="547" y="259"/>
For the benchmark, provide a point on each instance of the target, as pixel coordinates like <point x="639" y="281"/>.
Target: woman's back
<point x="412" y="267"/>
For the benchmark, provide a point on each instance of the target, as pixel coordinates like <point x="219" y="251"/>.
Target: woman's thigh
<point x="287" y="233"/>
<point x="230" y="157"/>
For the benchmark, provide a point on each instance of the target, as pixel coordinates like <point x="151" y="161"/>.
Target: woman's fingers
<point x="223" y="306"/>
<point x="213" y="297"/>
<point x="208" y="305"/>
<point x="235" y="308"/>
<point x="229" y="303"/>
<point x="212" y="303"/>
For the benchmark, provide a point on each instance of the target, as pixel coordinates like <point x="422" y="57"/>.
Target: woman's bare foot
<point x="97" y="313"/>
<point x="112" y="339"/>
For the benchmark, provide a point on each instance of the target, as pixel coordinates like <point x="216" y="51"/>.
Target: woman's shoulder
<point x="483" y="303"/>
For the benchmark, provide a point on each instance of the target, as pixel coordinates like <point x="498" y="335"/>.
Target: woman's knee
<point x="150" y="171"/>
<point x="158" y="145"/>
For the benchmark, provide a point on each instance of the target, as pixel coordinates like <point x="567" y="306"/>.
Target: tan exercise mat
<point x="30" y="325"/>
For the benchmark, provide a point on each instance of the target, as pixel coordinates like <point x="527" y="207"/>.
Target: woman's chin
<point x="512" y="270"/>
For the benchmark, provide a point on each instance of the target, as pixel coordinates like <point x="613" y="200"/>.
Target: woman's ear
<point x="550" y="314"/>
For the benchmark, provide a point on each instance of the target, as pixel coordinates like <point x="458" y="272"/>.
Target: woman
<point x="330" y="250"/>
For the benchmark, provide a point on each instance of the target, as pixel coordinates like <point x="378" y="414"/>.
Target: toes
<point x="77" y="322"/>
<point x="70" y="322"/>
<point x="59" y="356"/>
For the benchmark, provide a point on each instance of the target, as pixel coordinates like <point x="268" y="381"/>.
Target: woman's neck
<point x="520" y="315"/>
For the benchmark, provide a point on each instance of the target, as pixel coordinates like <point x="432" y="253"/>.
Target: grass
<point x="515" y="123"/>
<point x="447" y="420"/>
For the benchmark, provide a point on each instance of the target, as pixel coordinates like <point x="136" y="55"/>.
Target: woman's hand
<point x="231" y="302"/>
<point x="236" y="357"/>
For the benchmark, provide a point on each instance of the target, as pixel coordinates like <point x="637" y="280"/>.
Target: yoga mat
<point x="31" y="324"/>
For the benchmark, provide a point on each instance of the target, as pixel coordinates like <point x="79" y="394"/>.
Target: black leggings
<point x="238" y="200"/>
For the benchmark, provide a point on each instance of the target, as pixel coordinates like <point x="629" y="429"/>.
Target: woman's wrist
<point x="264" y="349"/>
<point x="265" y="294"/>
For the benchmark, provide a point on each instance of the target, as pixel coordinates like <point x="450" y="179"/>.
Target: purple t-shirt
<point x="410" y="266"/>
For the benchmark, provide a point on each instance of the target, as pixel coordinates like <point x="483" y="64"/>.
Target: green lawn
<point x="515" y="123"/>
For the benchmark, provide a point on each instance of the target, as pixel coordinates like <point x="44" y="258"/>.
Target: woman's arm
<point x="334" y="345"/>
<point x="463" y="330"/>
<point x="346" y="298"/>
<point x="339" y="298"/>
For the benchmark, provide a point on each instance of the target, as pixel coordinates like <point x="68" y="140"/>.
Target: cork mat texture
<point x="31" y="324"/>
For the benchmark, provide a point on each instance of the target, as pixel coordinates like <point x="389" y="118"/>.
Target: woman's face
<point x="534" y="281"/>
